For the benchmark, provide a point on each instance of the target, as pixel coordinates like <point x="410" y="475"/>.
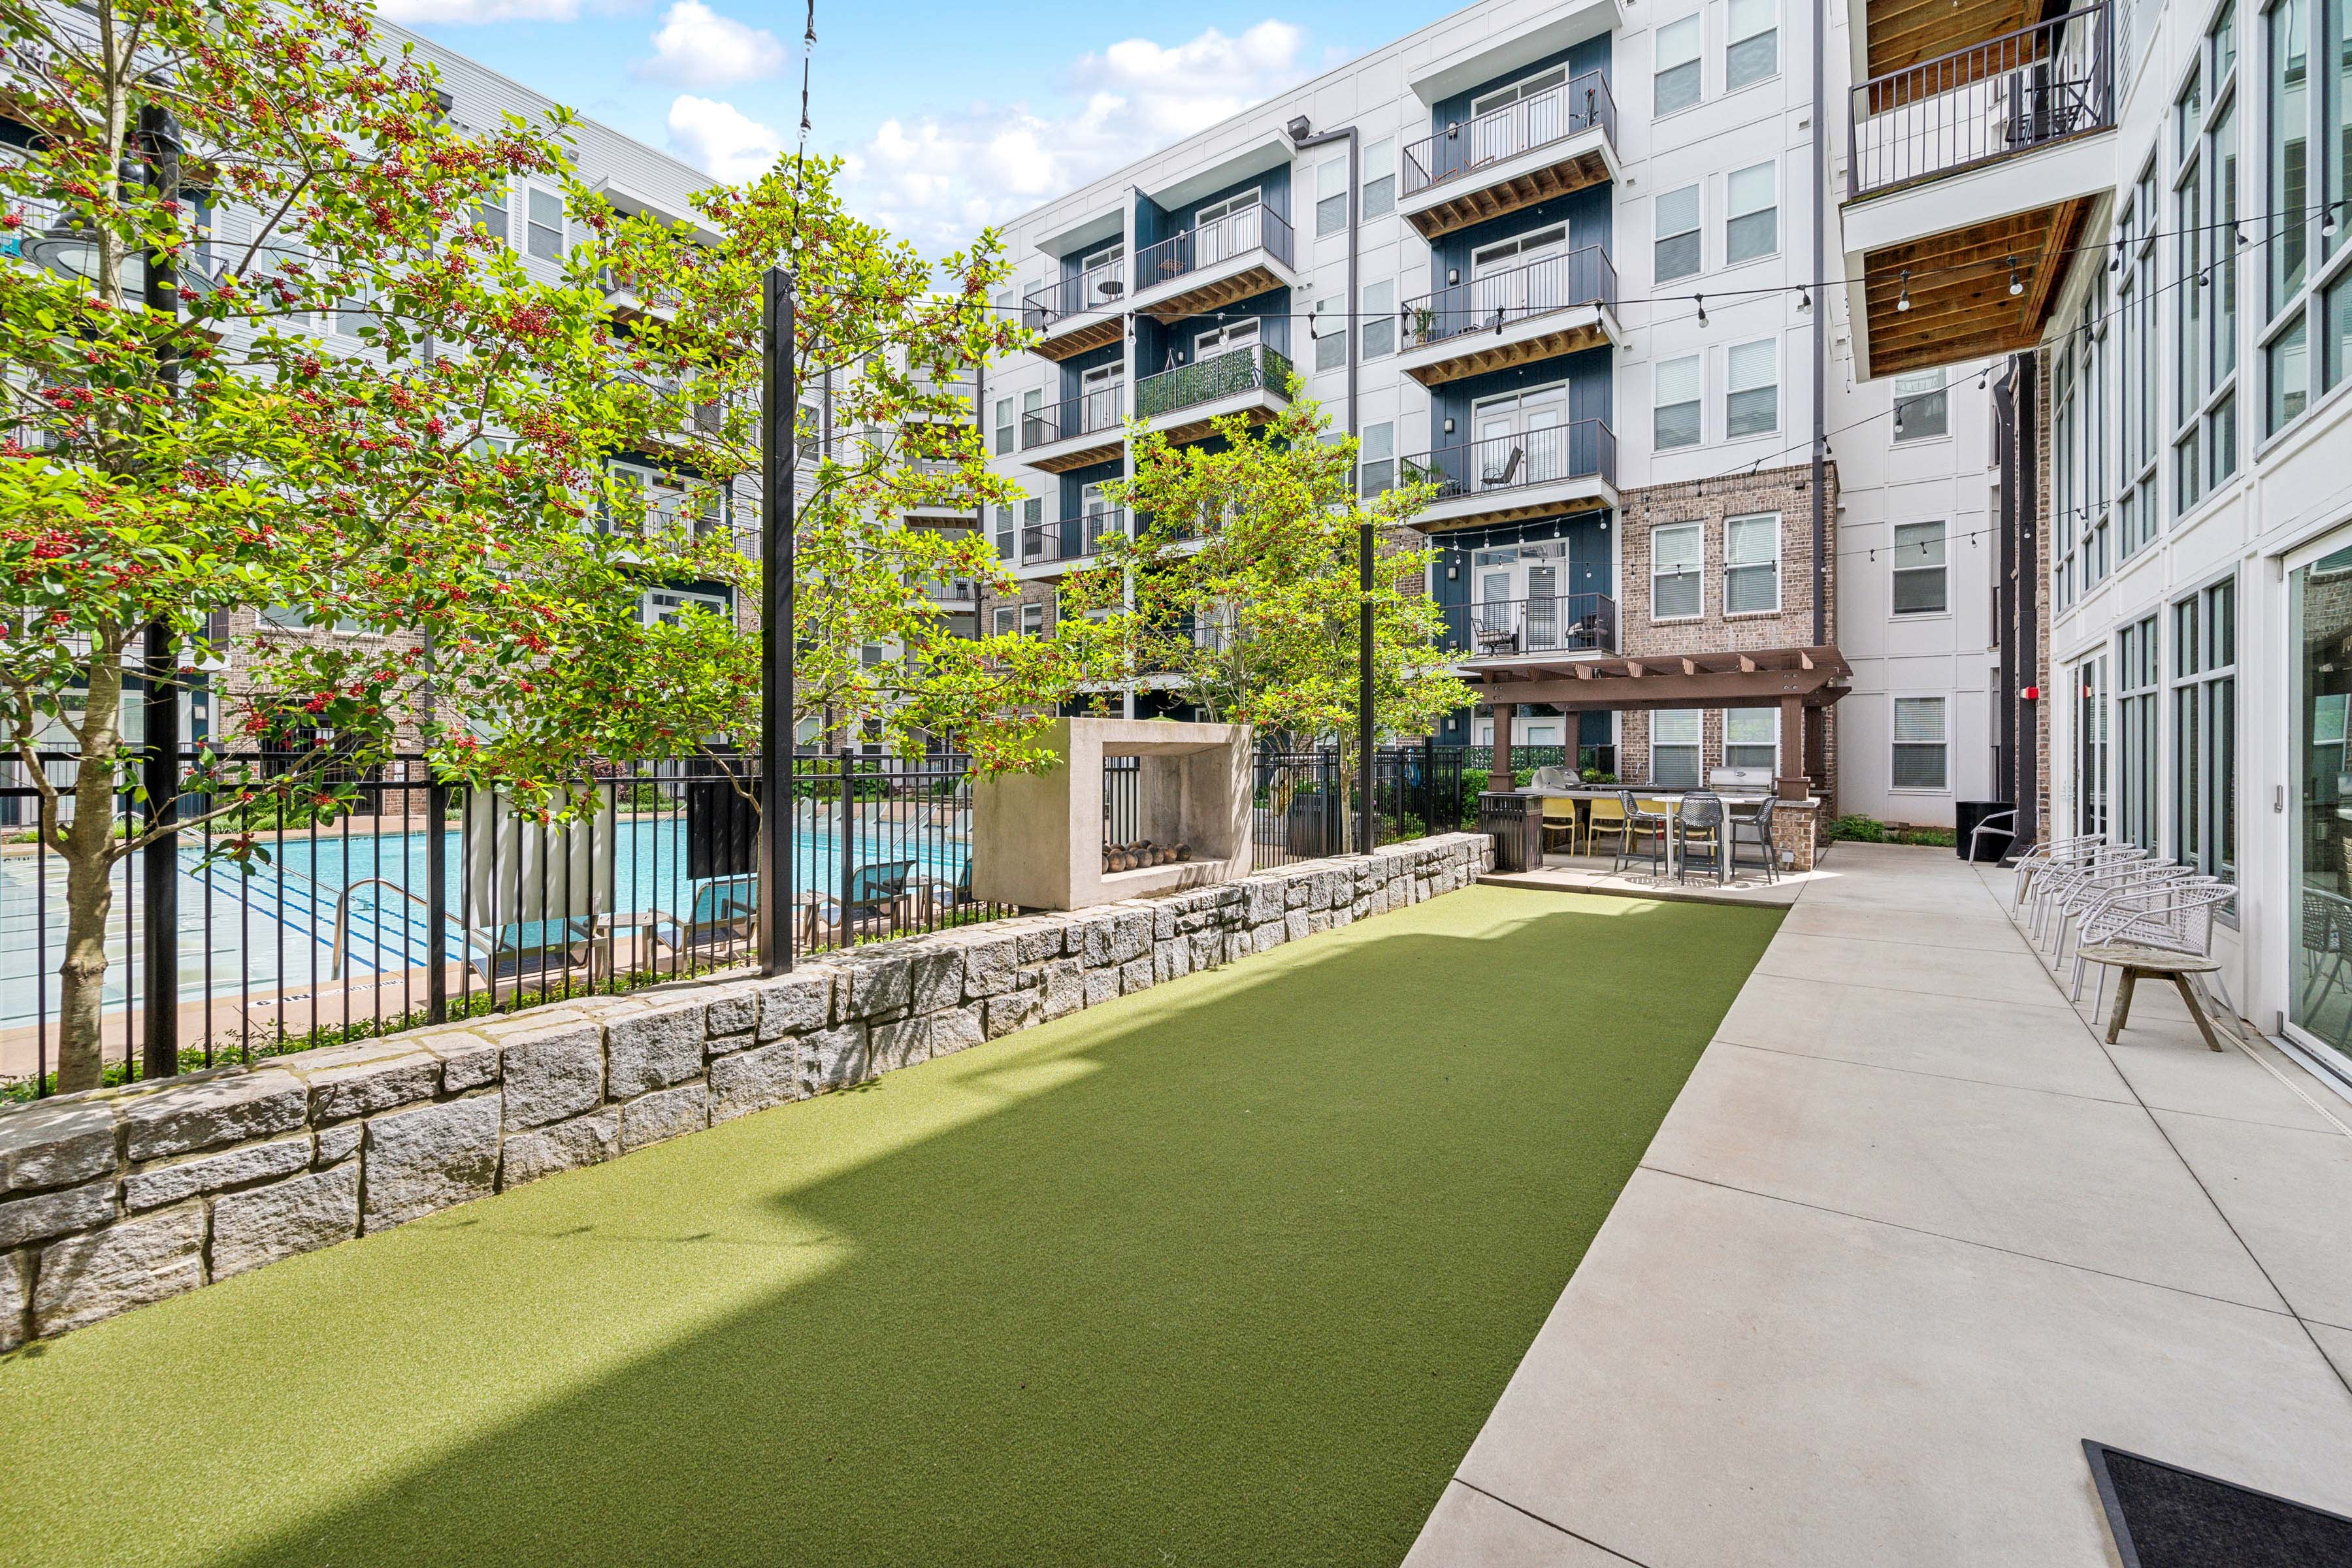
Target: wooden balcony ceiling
<point x="1513" y="506"/>
<point x="1961" y="308"/>
<point x="1475" y="354"/>
<point x="1100" y="450"/>
<point x="1477" y="201"/>
<point x="1215" y="294"/>
<point x="1202" y="429"/>
<point x="1764" y="678"/>
<point x="1905" y="32"/>
<point x="1065" y="340"/>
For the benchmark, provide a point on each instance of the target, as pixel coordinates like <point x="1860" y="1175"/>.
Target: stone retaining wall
<point x="114" y="1198"/>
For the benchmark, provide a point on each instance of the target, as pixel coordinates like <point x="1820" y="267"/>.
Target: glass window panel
<point x="1676" y="84"/>
<point x="1752" y="227"/>
<point x="1922" y="406"/>
<point x="2288" y="155"/>
<point x="546" y="237"/>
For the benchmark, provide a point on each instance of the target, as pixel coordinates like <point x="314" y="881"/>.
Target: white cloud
<point x="720" y="139"/>
<point x="937" y="179"/>
<point x="471" y="13"/>
<point x="697" y="46"/>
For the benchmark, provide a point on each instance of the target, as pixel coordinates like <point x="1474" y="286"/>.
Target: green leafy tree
<point x="1240" y="589"/>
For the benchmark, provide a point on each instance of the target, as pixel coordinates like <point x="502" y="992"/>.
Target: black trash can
<point x="1994" y="845"/>
<point x="1516" y="822"/>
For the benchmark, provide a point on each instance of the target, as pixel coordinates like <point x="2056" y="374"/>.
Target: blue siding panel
<point x="1590" y="55"/>
<point x="1587" y="373"/>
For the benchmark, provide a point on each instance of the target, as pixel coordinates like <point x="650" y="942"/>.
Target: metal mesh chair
<point x="2174" y="916"/>
<point x="1699" y="827"/>
<point x="1757" y="830"/>
<point x="1651" y="825"/>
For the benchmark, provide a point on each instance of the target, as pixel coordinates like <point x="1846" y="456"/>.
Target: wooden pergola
<point x="1792" y="679"/>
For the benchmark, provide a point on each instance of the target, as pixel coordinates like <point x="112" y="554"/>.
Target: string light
<point x="1701" y="301"/>
<point x="1804" y="300"/>
<point x="2015" y="286"/>
<point x="1902" y="299"/>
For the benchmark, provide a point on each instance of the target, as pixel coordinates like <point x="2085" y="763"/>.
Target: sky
<point x="950" y="117"/>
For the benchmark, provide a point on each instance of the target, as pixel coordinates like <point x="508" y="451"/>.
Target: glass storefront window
<point x="2319" y="600"/>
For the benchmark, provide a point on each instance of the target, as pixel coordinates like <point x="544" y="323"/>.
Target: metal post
<point x="848" y="842"/>
<point x="1429" y="784"/>
<point x="160" y="1057"/>
<point x="779" y="455"/>
<point x="436" y="900"/>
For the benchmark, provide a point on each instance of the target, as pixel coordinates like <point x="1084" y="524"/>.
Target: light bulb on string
<point x="1903" y="296"/>
<point x="2016" y="287"/>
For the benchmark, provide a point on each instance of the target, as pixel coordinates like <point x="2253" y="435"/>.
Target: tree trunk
<point x="88" y="846"/>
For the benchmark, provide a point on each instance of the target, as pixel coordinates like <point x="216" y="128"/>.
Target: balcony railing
<point x="1084" y="415"/>
<point x="1558" y="622"/>
<point x="1990" y="102"/>
<point x="1205" y="381"/>
<point x="1554" y="115"/>
<point x="1095" y="289"/>
<point x="1581" y="449"/>
<point x="1071" y="538"/>
<point x="1581" y="276"/>
<point x="1252" y="228"/>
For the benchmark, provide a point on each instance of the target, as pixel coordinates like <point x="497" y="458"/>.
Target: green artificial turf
<point x="1226" y="1273"/>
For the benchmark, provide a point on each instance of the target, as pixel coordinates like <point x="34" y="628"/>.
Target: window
<point x="2288" y="88"/>
<point x="1922" y="407"/>
<point x="2304" y="157"/>
<point x="1674" y="571"/>
<point x="1331" y="197"/>
<point x="1751" y="564"/>
<point x="2137" y="674"/>
<point x="1033" y="620"/>
<point x="1380" y="178"/>
<point x="1752" y="396"/>
<point x="1034" y="429"/>
<point x="1674" y="748"/>
<point x="2205" y="731"/>
<point x="1922" y="743"/>
<point x="2141" y="509"/>
<point x="1676" y="398"/>
<point x="1005" y="533"/>
<point x="1003" y="425"/>
<point x="2091" y="746"/>
<point x="667" y="606"/>
<point x="1751" y="738"/>
<point x="1376" y="457"/>
<point x="1003" y="619"/>
<point x="358" y="313"/>
<point x="1920" y="571"/>
<point x="1755" y="43"/>
<point x="1329" y="329"/>
<point x="544" y="233"/>
<point x="1033" y="522"/>
<point x="2206" y="208"/>
<point x="1752" y="223"/>
<point x="490" y="213"/>
<point x="1676" y="84"/>
<point x="1378" y="321"/>
<point x="1676" y="251"/>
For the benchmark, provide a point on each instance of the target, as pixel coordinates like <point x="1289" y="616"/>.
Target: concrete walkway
<point x="1909" y="1235"/>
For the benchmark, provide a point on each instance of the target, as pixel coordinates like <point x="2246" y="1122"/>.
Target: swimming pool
<point x="275" y="928"/>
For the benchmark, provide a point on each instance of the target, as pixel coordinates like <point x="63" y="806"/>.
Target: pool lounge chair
<point x="876" y="893"/>
<point x="725" y="913"/>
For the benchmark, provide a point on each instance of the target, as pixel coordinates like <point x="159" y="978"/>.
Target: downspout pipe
<point x="1821" y="314"/>
<point x="1303" y="135"/>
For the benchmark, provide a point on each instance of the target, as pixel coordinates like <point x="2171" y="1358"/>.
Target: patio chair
<point x="942" y="898"/>
<point x="725" y="912"/>
<point x="1559" y="818"/>
<point x="1606" y="816"/>
<point x="1999" y="825"/>
<point x="2172" y="917"/>
<point x="2326" y="938"/>
<point x="1648" y="823"/>
<point x="1756" y="830"/>
<point x="876" y="893"/>
<point x="535" y="897"/>
<point x="1699" y="828"/>
<point x="2090" y="892"/>
<point x="2049" y="853"/>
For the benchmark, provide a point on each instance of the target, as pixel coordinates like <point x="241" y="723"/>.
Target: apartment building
<point x="2142" y="203"/>
<point x="1572" y="283"/>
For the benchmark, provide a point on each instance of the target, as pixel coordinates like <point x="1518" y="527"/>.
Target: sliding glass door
<point x="2319" y="856"/>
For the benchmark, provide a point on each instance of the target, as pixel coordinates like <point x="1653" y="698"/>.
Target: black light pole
<point x="1303" y="136"/>
<point x="779" y="452"/>
<point x="159" y="137"/>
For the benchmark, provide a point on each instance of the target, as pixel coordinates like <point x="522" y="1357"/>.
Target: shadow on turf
<point x="1242" y="1294"/>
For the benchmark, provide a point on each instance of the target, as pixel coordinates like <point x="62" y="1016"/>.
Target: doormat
<point x="2165" y="1517"/>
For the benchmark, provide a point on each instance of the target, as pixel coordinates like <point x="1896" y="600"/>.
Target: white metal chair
<point x="2089" y="892"/>
<point x="2177" y="917"/>
<point x="2054" y="882"/>
<point x="2047" y="855"/>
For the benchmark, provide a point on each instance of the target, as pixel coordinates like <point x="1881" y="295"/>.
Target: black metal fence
<point x="418" y="902"/>
<point x="1306" y="807"/>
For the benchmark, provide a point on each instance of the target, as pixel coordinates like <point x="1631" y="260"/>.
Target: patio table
<point x="1745" y="802"/>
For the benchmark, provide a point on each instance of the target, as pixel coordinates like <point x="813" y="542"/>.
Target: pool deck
<point x="1910" y="1233"/>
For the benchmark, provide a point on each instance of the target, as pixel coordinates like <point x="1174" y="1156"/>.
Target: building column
<point x="1791" y="783"/>
<point x="1498" y="771"/>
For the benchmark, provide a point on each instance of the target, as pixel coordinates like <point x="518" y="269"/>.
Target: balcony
<point x="1214" y="265"/>
<point x="1969" y="171"/>
<point x="1076" y="431"/>
<point x="1541" y="147"/>
<point x="1560" y="305"/>
<point x="1507" y="628"/>
<point x="1074" y="314"/>
<point x="1185" y="401"/>
<point x="1071" y="538"/>
<point x="1530" y="473"/>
